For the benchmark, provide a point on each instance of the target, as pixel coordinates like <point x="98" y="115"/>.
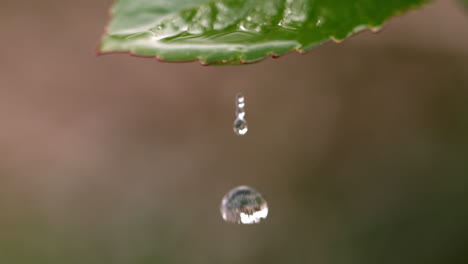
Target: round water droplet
<point x="240" y="127"/>
<point x="244" y="205"/>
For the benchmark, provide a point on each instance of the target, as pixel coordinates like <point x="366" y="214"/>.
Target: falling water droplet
<point x="244" y="205"/>
<point x="240" y="127"/>
<point x="240" y="124"/>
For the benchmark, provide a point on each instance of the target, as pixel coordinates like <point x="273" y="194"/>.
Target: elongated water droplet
<point x="240" y="124"/>
<point x="244" y="205"/>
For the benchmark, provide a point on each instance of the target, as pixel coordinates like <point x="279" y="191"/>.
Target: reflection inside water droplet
<point x="240" y="124"/>
<point x="240" y="127"/>
<point x="244" y="205"/>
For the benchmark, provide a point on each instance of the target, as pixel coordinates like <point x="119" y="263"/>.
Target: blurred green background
<point x="360" y="148"/>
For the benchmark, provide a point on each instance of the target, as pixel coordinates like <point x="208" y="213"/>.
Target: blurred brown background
<point x="361" y="148"/>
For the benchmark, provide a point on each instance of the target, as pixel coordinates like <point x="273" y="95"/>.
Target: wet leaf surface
<point x="238" y="31"/>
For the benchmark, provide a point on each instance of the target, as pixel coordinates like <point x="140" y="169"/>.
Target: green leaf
<point x="238" y="31"/>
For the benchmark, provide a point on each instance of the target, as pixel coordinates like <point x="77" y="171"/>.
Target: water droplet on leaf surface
<point x="244" y="205"/>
